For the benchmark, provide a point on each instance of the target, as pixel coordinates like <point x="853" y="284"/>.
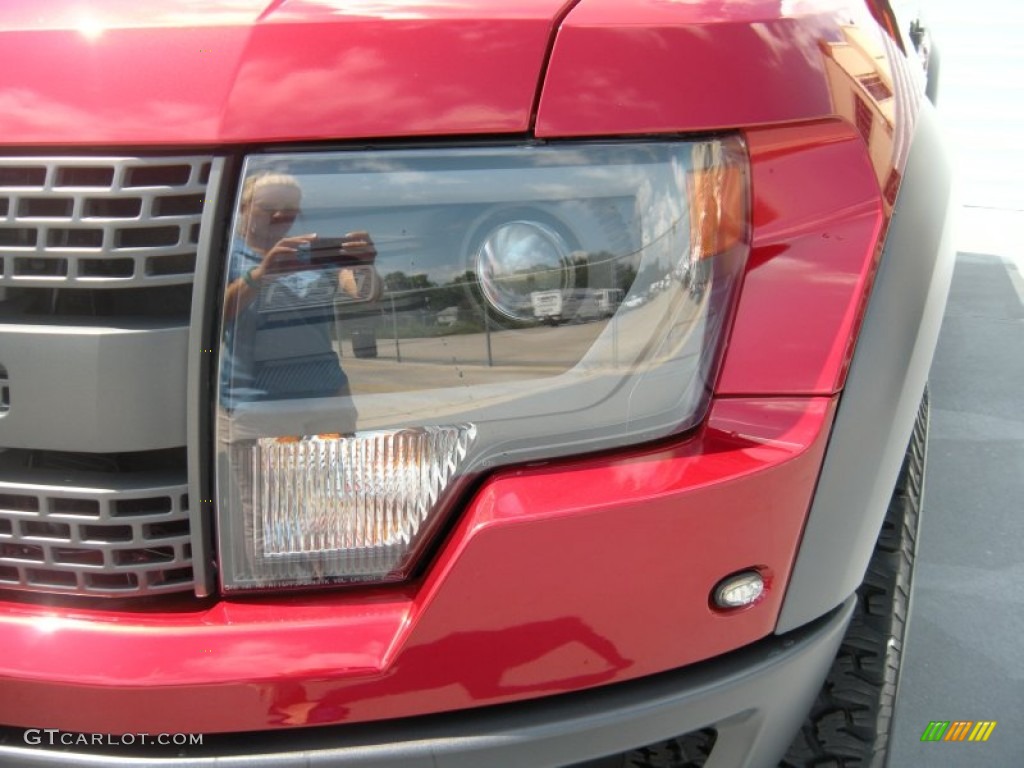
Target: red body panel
<point x="556" y="578"/>
<point x="814" y="249"/>
<point x="702" y="66"/>
<point x="298" y="72"/>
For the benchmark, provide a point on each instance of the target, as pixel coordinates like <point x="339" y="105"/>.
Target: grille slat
<point x="77" y="539"/>
<point x="78" y="209"/>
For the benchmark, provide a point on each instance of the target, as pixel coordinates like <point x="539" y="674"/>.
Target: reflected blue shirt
<point x="280" y="345"/>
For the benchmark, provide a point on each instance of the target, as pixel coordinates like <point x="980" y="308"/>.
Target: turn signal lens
<point x="338" y="508"/>
<point x="717" y="202"/>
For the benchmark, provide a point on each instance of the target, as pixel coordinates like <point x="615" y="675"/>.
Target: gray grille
<point x="94" y="471"/>
<point x="100" y="222"/>
<point x="120" y="540"/>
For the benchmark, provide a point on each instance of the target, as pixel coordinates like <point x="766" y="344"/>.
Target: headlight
<point x="537" y="302"/>
<point x="516" y="258"/>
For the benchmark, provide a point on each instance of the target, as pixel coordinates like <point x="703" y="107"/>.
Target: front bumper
<point x="556" y="578"/>
<point x="755" y="698"/>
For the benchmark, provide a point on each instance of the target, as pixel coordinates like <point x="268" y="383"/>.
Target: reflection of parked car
<point x="551" y="306"/>
<point x="634" y="301"/>
<point x="448" y="316"/>
<point x="579" y="305"/>
<point x="628" y="543"/>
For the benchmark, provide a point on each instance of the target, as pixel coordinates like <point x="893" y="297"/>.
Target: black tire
<point x="690" y="750"/>
<point x="850" y="722"/>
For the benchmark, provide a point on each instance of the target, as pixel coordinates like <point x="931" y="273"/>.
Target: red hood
<point x="126" y="72"/>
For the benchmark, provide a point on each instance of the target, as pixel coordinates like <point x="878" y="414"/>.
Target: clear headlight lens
<point x="457" y="309"/>
<point x="517" y="248"/>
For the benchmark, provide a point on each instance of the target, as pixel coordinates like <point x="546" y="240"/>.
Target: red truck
<point x="257" y="506"/>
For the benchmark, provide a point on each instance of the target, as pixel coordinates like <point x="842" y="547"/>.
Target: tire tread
<point x="850" y="721"/>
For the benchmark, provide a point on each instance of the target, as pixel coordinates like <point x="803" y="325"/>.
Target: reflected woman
<point x="279" y="305"/>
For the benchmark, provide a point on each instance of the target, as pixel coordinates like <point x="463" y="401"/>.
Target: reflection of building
<point x="860" y="80"/>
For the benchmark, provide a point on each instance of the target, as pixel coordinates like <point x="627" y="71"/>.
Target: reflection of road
<point x="530" y="346"/>
<point x="461" y="360"/>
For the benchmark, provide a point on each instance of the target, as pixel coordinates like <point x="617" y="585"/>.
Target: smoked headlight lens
<point x="397" y="321"/>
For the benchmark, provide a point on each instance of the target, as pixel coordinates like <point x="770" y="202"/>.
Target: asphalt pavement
<point x="964" y="657"/>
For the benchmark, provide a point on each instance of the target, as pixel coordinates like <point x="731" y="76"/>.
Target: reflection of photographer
<point x="281" y="289"/>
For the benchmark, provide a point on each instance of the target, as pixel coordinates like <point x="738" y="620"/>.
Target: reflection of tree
<point x="462" y="291"/>
<point x="414" y="300"/>
<point x="580" y="265"/>
<point x="625" y="276"/>
<point x="420" y="291"/>
<point x="399" y="281"/>
<point x="540" y="277"/>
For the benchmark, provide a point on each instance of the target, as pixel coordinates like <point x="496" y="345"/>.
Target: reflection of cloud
<point x="30" y="112"/>
<point x="782" y="41"/>
<point x="588" y="91"/>
<point x="317" y="75"/>
<point x="345" y="81"/>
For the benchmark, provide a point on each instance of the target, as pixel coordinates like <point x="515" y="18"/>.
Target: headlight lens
<point x="537" y="302"/>
<point x="517" y="258"/>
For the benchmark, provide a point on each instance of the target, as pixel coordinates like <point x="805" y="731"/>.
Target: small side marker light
<point x="738" y="590"/>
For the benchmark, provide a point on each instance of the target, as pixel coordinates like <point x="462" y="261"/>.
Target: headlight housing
<point x="538" y="301"/>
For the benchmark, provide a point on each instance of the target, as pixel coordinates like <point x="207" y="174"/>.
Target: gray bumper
<point x="756" y="698"/>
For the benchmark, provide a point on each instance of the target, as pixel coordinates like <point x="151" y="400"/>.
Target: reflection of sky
<point x="520" y="248"/>
<point x="421" y="206"/>
<point x="661" y="201"/>
<point x="429" y="178"/>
